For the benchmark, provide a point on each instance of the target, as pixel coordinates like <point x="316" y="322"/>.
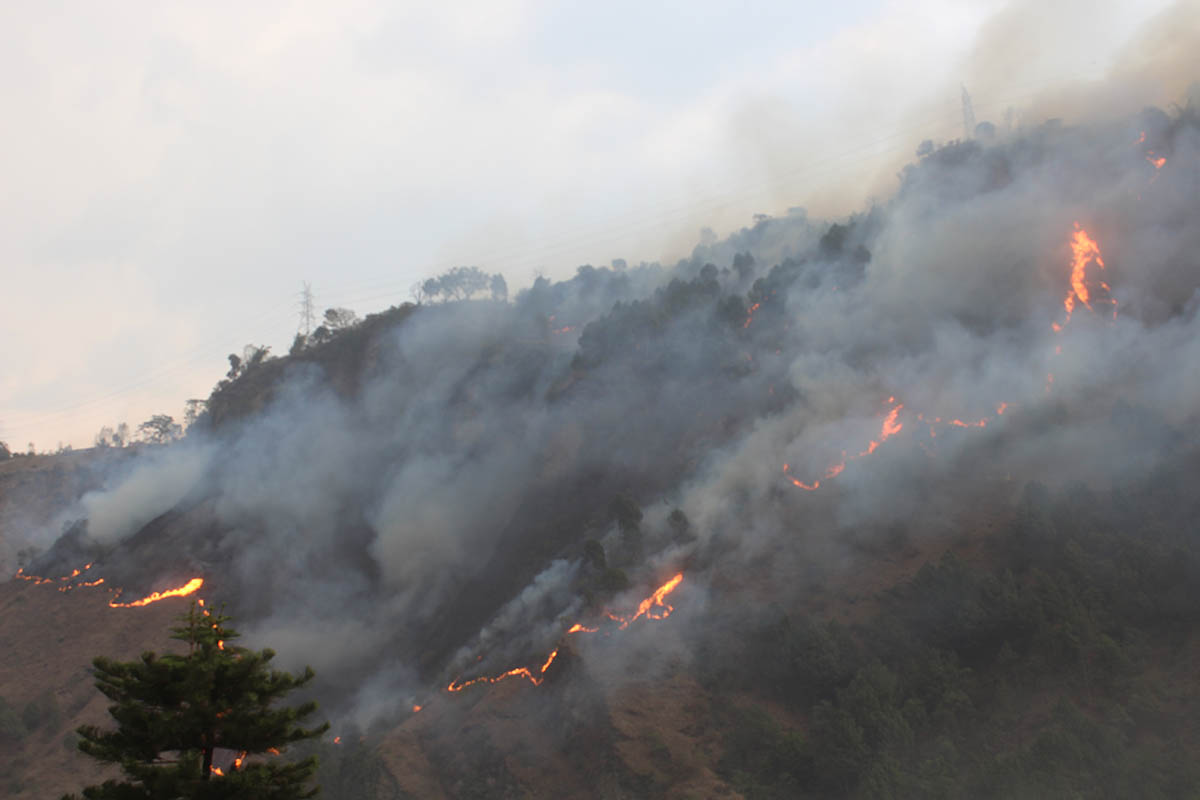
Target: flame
<point x="337" y="740"/>
<point x="1157" y="162"/>
<point x="416" y="708"/>
<point x="890" y="427"/>
<point x="1141" y="138"/>
<point x="750" y="314"/>
<point x="96" y="582"/>
<point x="1084" y="251"/>
<point x="653" y="601"/>
<point x="38" y="580"/>
<point x="653" y="607"/>
<point x="188" y="588"/>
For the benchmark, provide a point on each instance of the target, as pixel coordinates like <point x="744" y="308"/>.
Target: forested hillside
<point x="895" y="505"/>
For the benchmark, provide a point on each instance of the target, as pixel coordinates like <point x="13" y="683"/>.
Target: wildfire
<point x="653" y="607"/>
<point x="750" y="314"/>
<point x="891" y="426"/>
<point x="560" y="330"/>
<point x="75" y="573"/>
<point x="188" y="588"/>
<point x="234" y="767"/>
<point x="647" y="607"/>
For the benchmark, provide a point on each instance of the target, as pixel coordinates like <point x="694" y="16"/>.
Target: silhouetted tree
<point x="460" y="283"/>
<point x="160" y="429"/>
<point x="5" y="453"/>
<point x="179" y="715"/>
<point x="499" y="288"/>
<point x="337" y="319"/>
<point x="192" y="410"/>
<point x="104" y="437"/>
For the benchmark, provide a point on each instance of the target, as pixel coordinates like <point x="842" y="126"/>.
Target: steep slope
<point x="799" y="422"/>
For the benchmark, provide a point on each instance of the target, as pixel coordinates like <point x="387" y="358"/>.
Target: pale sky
<point x="173" y="172"/>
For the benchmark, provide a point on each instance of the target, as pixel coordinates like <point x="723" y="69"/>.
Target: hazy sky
<point x="172" y="172"/>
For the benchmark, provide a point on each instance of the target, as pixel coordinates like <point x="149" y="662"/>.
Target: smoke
<point x="446" y="489"/>
<point x="159" y="481"/>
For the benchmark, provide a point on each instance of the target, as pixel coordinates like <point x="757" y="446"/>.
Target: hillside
<point x="894" y="505"/>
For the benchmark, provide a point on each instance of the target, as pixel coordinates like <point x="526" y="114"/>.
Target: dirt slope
<point x="49" y="640"/>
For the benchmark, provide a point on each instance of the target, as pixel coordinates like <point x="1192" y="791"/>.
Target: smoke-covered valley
<point x="443" y="491"/>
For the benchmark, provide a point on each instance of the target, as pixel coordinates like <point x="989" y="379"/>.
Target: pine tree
<point x="178" y="716"/>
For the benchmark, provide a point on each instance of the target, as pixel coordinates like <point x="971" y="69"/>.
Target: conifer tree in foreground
<point x="200" y="726"/>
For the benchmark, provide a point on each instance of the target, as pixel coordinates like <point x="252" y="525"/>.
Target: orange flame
<point x="1084" y="251"/>
<point x="653" y="601"/>
<point x="416" y="708"/>
<point x="38" y="580"/>
<point x="653" y="607"/>
<point x="191" y="586"/>
<point x="891" y="426"/>
<point x="750" y="314"/>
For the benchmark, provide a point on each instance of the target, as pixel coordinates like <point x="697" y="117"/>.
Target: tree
<point x="337" y="319"/>
<point x="5" y="453"/>
<point x="193" y="410"/>
<point x="179" y="715"/>
<point x="160" y="429"/>
<point x="499" y="288"/>
<point x="462" y="283"/>
<point x="104" y="437"/>
<point x="235" y="367"/>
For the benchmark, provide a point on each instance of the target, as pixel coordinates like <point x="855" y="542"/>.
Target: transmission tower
<point x="968" y="115"/>
<point x="307" y="315"/>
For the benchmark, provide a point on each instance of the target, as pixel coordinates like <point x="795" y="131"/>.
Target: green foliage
<point x="763" y="759"/>
<point x="1088" y="600"/>
<point x="177" y="714"/>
